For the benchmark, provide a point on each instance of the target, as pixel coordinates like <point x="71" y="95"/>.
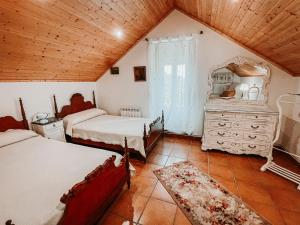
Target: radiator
<point x="131" y="111"/>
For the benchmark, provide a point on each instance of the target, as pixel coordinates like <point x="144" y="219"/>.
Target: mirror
<point x="240" y="80"/>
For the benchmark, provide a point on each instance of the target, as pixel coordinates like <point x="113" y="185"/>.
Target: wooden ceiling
<point x="270" y="28"/>
<point x="75" y="40"/>
<point x="71" y="40"/>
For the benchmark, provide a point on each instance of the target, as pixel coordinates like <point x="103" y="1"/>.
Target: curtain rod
<point x="201" y="32"/>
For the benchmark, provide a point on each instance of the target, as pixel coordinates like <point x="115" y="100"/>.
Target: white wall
<point x="37" y="96"/>
<point x="121" y="90"/>
<point x="116" y="91"/>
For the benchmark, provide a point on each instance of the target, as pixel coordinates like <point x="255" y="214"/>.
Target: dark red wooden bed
<point x="86" y="201"/>
<point x="78" y="104"/>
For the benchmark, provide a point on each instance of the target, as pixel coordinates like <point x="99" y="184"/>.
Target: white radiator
<point x="131" y="112"/>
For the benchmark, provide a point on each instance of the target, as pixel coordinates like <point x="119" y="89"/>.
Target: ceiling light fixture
<point x="118" y="33"/>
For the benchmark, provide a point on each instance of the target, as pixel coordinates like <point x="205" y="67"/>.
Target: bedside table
<point x="54" y="129"/>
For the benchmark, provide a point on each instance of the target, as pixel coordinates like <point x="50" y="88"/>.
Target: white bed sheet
<point x="36" y="172"/>
<point x="112" y="130"/>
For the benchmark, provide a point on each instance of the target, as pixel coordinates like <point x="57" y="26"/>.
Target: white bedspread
<point x="112" y="130"/>
<point x="34" y="174"/>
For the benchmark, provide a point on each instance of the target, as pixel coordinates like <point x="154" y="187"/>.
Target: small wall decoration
<point x="114" y="70"/>
<point x="139" y="73"/>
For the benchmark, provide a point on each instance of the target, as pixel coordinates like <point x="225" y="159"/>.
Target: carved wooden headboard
<point x="9" y="122"/>
<point x="77" y="105"/>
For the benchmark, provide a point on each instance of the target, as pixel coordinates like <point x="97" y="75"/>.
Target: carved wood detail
<point x="77" y="105"/>
<point x="96" y="192"/>
<point x="9" y="122"/>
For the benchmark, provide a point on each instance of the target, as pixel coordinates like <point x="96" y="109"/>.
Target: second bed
<point x="87" y="125"/>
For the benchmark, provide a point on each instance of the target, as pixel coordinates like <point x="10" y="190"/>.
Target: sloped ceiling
<point x="77" y="40"/>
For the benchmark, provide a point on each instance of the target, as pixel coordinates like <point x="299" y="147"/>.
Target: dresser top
<point x="210" y="107"/>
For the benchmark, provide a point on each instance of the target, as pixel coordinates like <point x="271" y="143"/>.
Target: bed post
<point x="145" y="136"/>
<point x="55" y="106"/>
<point x="25" y="122"/>
<point x="163" y="121"/>
<point x="94" y="99"/>
<point x="126" y="156"/>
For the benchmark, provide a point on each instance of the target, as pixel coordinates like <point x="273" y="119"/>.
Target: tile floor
<point x="148" y="203"/>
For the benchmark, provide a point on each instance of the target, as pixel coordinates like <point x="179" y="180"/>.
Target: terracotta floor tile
<point x="180" y="218"/>
<point x="196" y="143"/>
<point x="129" y="206"/>
<point x="272" y="196"/>
<point x="271" y="180"/>
<point x="239" y="162"/>
<point x="180" y="153"/>
<point x="230" y="185"/>
<point x="172" y="160"/>
<point x="269" y="212"/>
<point x="247" y="175"/>
<point x="157" y="159"/>
<point x="158" y="212"/>
<point x="142" y="185"/>
<point x="182" y="141"/>
<point x="161" y="193"/>
<point x="286" y="199"/>
<point x="147" y="170"/>
<point x="198" y="155"/>
<point x="203" y="166"/>
<point x="218" y="158"/>
<point x="221" y="171"/>
<point x="290" y="217"/>
<point x="162" y="150"/>
<point x="257" y="162"/>
<point x="112" y="219"/>
<point x="256" y="193"/>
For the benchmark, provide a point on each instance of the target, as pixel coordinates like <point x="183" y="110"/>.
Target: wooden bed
<point x="78" y="104"/>
<point x="86" y="201"/>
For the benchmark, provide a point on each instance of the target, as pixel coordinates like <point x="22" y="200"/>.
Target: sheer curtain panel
<point x="175" y="83"/>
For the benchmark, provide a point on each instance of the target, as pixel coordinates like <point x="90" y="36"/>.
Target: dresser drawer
<point x="57" y="125"/>
<point x="220" y="115"/>
<point x="254" y="137"/>
<point x="218" y="133"/>
<point x="262" y="117"/>
<point x="228" y="133"/>
<point x="258" y="127"/>
<point x="219" y="124"/>
<point x="253" y="147"/>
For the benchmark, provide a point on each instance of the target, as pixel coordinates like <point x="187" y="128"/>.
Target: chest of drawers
<point x="239" y="131"/>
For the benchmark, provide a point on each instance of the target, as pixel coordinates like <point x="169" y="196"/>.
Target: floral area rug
<point x="202" y="199"/>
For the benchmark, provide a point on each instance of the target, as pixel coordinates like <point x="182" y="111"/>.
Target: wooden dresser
<point x="238" y="129"/>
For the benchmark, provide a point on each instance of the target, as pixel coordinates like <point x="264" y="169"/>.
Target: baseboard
<point x="182" y="136"/>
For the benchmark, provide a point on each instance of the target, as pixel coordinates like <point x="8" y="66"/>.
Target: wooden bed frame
<point x="78" y="104"/>
<point x="86" y="201"/>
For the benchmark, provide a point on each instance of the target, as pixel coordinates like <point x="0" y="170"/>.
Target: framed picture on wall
<point x="114" y="70"/>
<point x="139" y="73"/>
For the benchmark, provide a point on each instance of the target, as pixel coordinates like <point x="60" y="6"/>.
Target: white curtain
<point x="175" y="83"/>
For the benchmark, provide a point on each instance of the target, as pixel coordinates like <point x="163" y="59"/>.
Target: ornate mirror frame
<point x="241" y="60"/>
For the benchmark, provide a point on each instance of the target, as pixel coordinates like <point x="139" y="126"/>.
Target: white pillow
<point x="72" y="119"/>
<point x="15" y="135"/>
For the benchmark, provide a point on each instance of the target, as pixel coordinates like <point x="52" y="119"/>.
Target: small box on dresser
<point x="53" y="129"/>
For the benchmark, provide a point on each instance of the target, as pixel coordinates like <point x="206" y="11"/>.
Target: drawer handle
<point x="221" y="124"/>
<point x="252" y="146"/>
<point x="254" y="127"/>
<point x="221" y="134"/>
<point x="252" y="137"/>
<point x="220" y="142"/>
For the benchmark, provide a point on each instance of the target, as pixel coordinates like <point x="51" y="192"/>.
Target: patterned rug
<point x="202" y="199"/>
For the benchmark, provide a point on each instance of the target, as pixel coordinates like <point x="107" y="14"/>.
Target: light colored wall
<point x="116" y="91"/>
<point x="37" y="96"/>
<point x="121" y="90"/>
